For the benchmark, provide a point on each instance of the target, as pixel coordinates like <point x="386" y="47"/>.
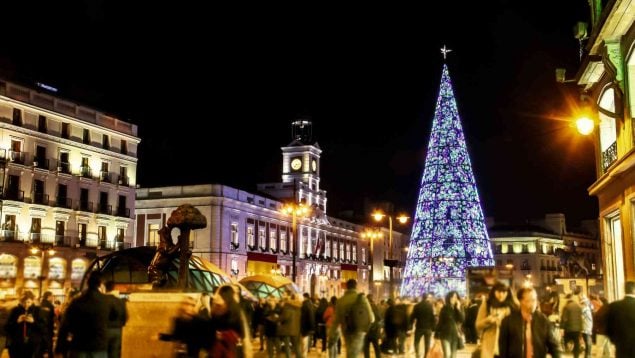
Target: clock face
<point x="296" y="164"/>
<point x="314" y="165"/>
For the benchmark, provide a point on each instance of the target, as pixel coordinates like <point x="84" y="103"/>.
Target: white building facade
<point x="67" y="175"/>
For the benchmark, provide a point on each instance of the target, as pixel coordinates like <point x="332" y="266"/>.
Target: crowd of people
<point x="87" y="324"/>
<point x="501" y="322"/>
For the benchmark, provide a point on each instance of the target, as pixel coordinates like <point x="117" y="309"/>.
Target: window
<point x="327" y="247"/>
<point x="85" y="168"/>
<point x="364" y="255"/>
<point x="354" y="252"/>
<point x="64" y="166"/>
<point x="234" y="235"/>
<point x="17" y="117"/>
<point x="60" y="228"/>
<point x="153" y="235"/>
<point x="81" y="231"/>
<point x="36" y="225"/>
<point x="41" y="124"/>
<point x="251" y="240"/>
<point x="283" y="241"/>
<point x="273" y="239"/>
<point x="234" y="265"/>
<point x="262" y="240"/>
<point x="39" y="160"/>
<point x="342" y="257"/>
<point x="38" y="192"/>
<point x="101" y="235"/>
<point x="123" y="175"/>
<point x="86" y="136"/>
<point x="124" y="147"/>
<point x="105" y="141"/>
<point x="66" y="130"/>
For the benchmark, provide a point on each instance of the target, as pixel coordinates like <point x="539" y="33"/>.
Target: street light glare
<point x="378" y="216"/>
<point x="585" y="125"/>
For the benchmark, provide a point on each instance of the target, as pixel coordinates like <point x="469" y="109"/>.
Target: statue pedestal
<point x="150" y="313"/>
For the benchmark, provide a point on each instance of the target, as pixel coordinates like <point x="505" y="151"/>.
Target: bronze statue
<point x="166" y="252"/>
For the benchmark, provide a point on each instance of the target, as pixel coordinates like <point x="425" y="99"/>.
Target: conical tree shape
<point x="449" y="233"/>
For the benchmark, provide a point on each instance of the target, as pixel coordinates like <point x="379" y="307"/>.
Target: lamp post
<point x="371" y="235"/>
<point x="43" y="252"/>
<point x="295" y="210"/>
<point x="510" y="267"/>
<point x="402" y="219"/>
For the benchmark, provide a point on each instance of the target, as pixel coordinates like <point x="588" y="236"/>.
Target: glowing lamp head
<point x="585" y="125"/>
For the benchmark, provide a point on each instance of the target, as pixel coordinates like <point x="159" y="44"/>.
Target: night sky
<point x="367" y="76"/>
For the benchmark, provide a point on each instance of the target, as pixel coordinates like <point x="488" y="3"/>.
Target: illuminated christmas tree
<point x="448" y="233"/>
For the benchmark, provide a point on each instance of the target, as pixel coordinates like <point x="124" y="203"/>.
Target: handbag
<point x="477" y="352"/>
<point x="460" y="344"/>
<point x="436" y="351"/>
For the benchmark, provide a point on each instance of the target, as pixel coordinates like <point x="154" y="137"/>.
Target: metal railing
<point x="609" y="156"/>
<point x="17" y="157"/>
<point x="41" y="163"/>
<point x="105" y="177"/>
<point x="40" y="198"/>
<point x="123" y="212"/>
<point x="85" y="206"/>
<point x="124" y="180"/>
<point x="64" y="167"/>
<point x="85" y="172"/>
<point x="63" y="202"/>
<point x="12" y="194"/>
<point x="104" y="209"/>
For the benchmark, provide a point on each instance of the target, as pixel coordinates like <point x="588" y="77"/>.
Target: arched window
<point x="8" y="266"/>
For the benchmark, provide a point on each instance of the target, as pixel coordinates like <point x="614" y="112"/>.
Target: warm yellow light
<point x="402" y="219"/>
<point x="34" y="250"/>
<point x="51" y="252"/>
<point x="377" y="215"/>
<point x="585" y="125"/>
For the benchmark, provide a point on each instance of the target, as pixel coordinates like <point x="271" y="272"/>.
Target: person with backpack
<point x="354" y="314"/>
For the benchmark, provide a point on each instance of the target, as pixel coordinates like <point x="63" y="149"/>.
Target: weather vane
<point x="445" y="51"/>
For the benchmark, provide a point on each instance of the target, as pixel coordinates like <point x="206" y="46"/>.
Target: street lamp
<point x="295" y="210"/>
<point x="402" y="219"/>
<point x="43" y="251"/>
<point x="371" y="235"/>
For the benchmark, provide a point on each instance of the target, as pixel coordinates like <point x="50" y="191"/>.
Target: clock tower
<point x="300" y="168"/>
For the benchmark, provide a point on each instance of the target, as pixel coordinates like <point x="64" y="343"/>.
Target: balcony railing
<point x="85" y="172"/>
<point x="124" y="181"/>
<point x="64" y="167"/>
<point x="104" y="209"/>
<point x="40" y="198"/>
<point x="123" y="212"/>
<point x="17" y="157"/>
<point x="104" y="177"/>
<point x="12" y="194"/>
<point x="8" y="235"/>
<point x="609" y="156"/>
<point x="63" y="202"/>
<point x="41" y="163"/>
<point x="85" y="206"/>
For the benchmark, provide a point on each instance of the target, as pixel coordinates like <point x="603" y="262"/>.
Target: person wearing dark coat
<point x="307" y="322"/>
<point x="527" y="325"/>
<point x="116" y="320"/>
<point x="373" y="334"/>
<point x="47" y="313"/>
<point x="83" y="331"/>
<point x="24" y="328"/>
<point x="620" y="321"/>
<point x="423" y="319"/>
<point x="469" y="326"/>
<point x="450" y="319"/>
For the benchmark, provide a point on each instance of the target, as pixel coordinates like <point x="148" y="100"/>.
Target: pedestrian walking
<point x="527" y="332"/>
<point x="620" y="320"/>
<point x="499" y="304"/>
